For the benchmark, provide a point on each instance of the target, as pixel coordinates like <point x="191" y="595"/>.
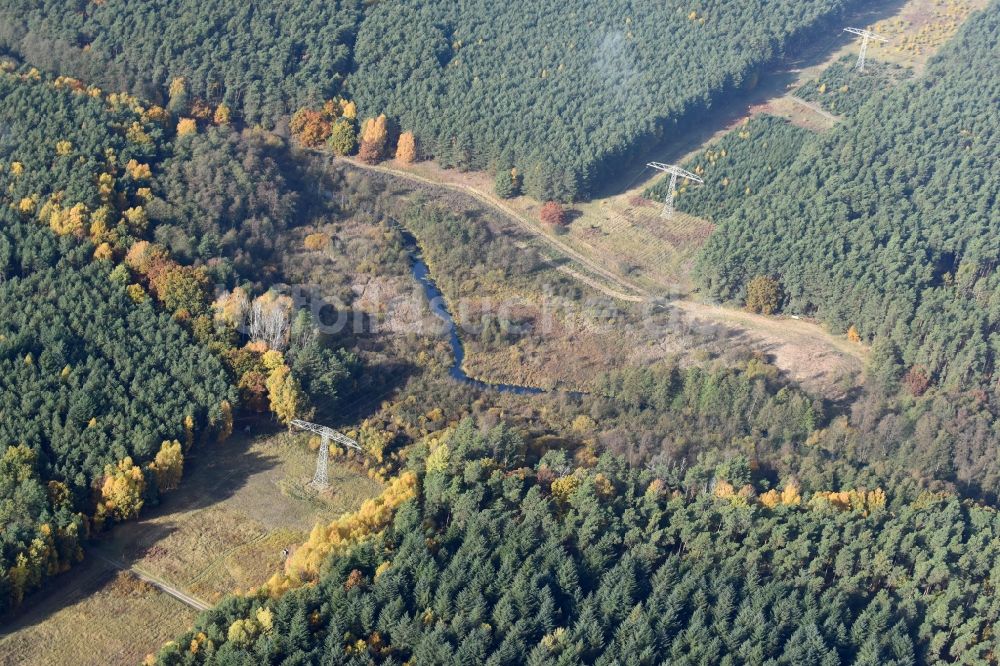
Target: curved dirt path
<point x="623" y="289"/>
<point x="809" y="353"/>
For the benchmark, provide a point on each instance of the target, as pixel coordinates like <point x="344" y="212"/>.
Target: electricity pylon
<point x="674" y="171"/>
<point x="321" y="479"/>
<point x="866" y="36"/>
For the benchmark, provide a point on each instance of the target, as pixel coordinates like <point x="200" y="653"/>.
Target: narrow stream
<point x="438" y="306"/>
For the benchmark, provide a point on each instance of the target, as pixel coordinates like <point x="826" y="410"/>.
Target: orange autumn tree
<point x="374" y="137"/>
<point x="312" y="128"/>
<point x="406" y="148"/>
<point x="553" y="214"/>
<point x="789" y="496"/>
<point x="333" y="123"/>
<point x="146" y="258"/>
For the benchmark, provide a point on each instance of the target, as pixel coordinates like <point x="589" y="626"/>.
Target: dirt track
<point x="621" y="288"/>
<point x="811" y="355"/>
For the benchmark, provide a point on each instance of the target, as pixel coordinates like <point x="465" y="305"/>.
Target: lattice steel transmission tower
<point x="866" y="36"/>
<point x="321" y="479"/>
<point x="675" y="172"/>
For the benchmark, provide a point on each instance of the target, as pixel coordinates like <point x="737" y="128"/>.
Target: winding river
<point x="439" y="307"/>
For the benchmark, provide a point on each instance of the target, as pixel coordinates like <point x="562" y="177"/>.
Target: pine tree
<point x="343" y="137"/>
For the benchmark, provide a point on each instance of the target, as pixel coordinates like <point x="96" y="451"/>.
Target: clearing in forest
<point x="240" y="504"/>
<point x="100" y="617"/>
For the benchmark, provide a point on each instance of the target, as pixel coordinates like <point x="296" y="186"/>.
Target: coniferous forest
<point x="495" y="562"/>
<point x="264" y="59"/>
<point x="575" y="90"/>
<point x="190" y="191"/>
<point x="888" y="223"/>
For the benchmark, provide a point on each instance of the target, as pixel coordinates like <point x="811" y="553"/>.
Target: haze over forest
<point x="540" y="332"/>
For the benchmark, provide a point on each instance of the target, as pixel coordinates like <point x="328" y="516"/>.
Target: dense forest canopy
<point x="498" y="563"/>
<point x="744" y="161"/>
<point x="841" y="90"/>
<point x="264" y="58"/>
<point x="89" y="378"/>
<point x="587" y="86"/>
<point x="889" y="222"/>
<point x="76" y="348"/>
<point x="60" y="138"/>
<point x="224" y="194"/>
<point x="563" y="91"/>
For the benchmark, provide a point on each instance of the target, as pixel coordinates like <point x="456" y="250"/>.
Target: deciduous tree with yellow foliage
<point x="374" y="137"/>
<point x="284" y="394"/>
<point x="168" y="466"/>
<point x="406" y="148"/>
<point x="121" y="491"/>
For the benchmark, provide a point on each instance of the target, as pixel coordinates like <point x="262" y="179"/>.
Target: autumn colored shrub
<point x="311" y="128"/>
<point x="316" y="241"/>
<point x="553" y="214"/>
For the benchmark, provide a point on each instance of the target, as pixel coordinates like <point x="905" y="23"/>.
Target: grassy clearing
<point x="823" y="363"/>
<point x="920" y="28"/>
<point x="242" y="503"/>
<point x="239" y="505"/>
<point x="119" y="621"/>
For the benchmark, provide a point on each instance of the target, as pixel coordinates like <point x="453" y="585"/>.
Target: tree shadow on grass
<point x="213" y="473"/>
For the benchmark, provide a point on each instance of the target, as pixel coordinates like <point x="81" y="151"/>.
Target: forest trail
<point x="98" y="552"/>
<point x="622" y="288"/>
